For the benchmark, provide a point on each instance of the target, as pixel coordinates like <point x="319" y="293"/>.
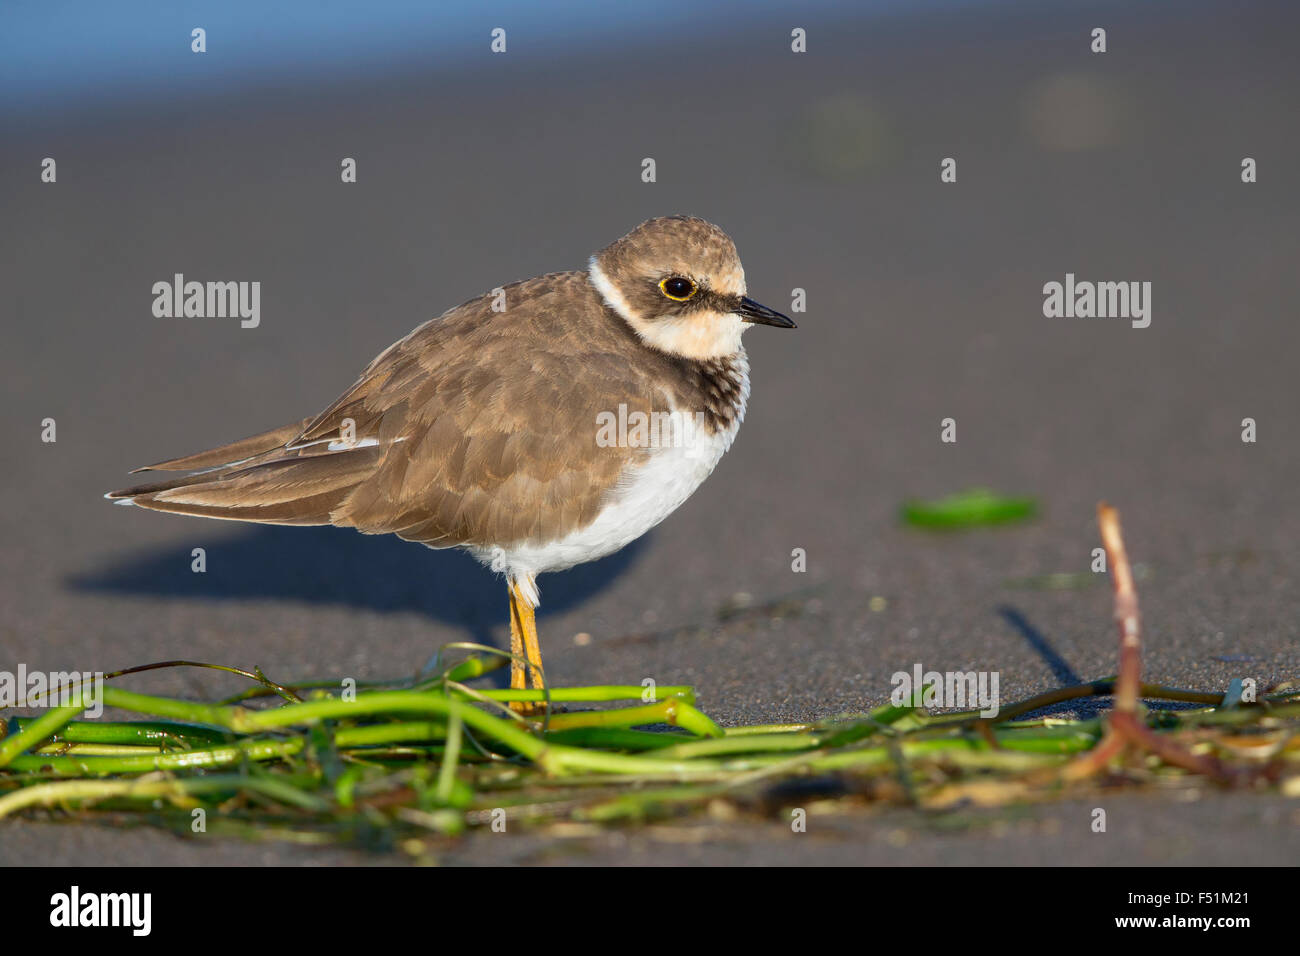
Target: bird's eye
<point x="677" y="288"/>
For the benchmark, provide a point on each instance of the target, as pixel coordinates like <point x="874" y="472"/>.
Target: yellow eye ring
<point x="678" y="288"/>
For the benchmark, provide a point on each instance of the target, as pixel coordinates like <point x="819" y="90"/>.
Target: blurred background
<point x="924" y="301"/>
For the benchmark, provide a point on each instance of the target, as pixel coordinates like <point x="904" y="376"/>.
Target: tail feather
<point x="314" y="510"/>
<point x="286" y="486"/>
<point x="235" y="452"/>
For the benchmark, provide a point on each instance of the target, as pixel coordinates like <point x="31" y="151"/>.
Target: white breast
<point x="647" y="494"/>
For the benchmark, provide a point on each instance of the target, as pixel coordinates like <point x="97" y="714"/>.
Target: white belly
<point x="647" y="494"/>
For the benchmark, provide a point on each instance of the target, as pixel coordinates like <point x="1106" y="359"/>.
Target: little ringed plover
<point x="503" y="430"/>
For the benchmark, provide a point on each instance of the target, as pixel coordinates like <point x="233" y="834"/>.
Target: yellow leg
<point x="518" y="669"/>
<point x="524" y="643"/>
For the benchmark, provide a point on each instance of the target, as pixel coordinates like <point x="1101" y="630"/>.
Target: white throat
<point x="702" y="335"/>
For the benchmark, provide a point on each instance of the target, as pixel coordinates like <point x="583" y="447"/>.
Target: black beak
<point x="751" y="311"/>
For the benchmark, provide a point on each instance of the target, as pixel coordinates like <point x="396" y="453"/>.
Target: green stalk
<point x="672" y="711"/>
<point x="61" y="792"/>
<point x="589" y="765"/>
<point x="754" y="743"/>
<point x="615" y="738"/>
<point x="58" y="748"/>
<point x="38" y="730"/>
<point x="131" y="732"/>
<point x="642" y="804"/>
<point x="552" y="759"/>
<point x="752" y="729"/>
<point x="447" y="773"/>
<point x="143" y="763"/>
<point x="371" y="735"/>
<point x="563" y="695"/>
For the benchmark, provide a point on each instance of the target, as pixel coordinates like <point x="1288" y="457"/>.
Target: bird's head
<point x="678" y="282"/>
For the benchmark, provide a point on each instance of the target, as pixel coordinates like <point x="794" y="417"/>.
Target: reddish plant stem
<point x="1125" y="728"/>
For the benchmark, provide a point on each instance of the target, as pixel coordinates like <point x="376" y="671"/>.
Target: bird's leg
<point x="518" y="667"/>
<point x="524" y="643"/>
